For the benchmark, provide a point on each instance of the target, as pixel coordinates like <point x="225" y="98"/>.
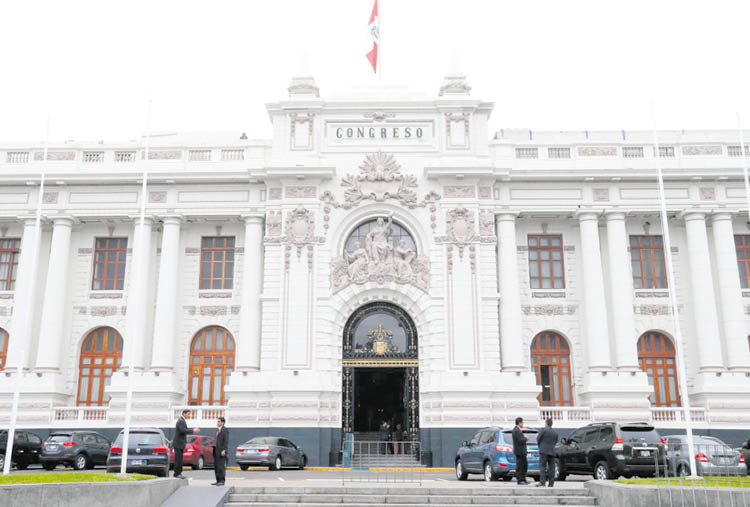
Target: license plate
<point x="645" y="453"/>
<point x="137" y="462"/>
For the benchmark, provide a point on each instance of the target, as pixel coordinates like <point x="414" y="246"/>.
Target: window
<point x="109" y="263"/>
<point x="558" y="152"/>
<point x="550" y="360"/>
<point x="591" y="435"/>
<point x="211" y="364"/>
<point x="606" y="434"/>
<point x="647" y="261"/>
<point x="10" y="249"/>
<point x="657" y="358"/>
<point x="632" y="151"/>
<point x="101" y="355"/>
<point x="742" y="247"/>
<point x="736" y="151"/>
<point x="527" y="152"/>
<point x="217" y="262"/>
<point x="397" y="233"/>
<point x="546" y="262"/>
<point x="3" y="347"/>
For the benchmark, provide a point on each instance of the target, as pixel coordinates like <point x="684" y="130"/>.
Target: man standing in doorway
<point x="220" y="452"/>
<point x="181" y="432"/>
<point x="546" y="439"/>
<point x="519" y="449"/>
<point x="385" y="432"/>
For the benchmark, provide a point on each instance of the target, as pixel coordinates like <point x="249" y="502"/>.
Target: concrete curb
<point x="75" y="494"/>
<point x="614" y="494"/>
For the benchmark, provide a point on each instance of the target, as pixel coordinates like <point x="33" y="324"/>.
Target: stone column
<point x="51" y="333"/>
<point x="705" y="319"/>
<point x="621" y="293"/>
<point x="138" y="296"/>
<point x="594" y="303"/>
<point x="19" y="334"/>
<point x="730" y="293"/>
<point x="511" y="346"/>
<point x="248" y="345"/>
<point x="163" y="346"/>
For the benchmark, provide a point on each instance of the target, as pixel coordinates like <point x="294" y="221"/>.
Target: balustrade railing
<point x="677" y="414"/>
<point x="200" y="413"/>
<point x="79" y="414"/>
<point x="565" y="414"/>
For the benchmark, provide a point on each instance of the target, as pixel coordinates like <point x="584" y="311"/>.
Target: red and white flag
<point x="374" y="27"/>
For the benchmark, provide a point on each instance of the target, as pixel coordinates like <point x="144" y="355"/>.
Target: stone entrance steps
<point x="480" y="496"/>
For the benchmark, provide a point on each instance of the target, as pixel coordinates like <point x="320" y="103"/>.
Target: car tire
<point x="489" y="475"/>
<point x="683" y="471"/>
<point x="199" y="465"/>
<point x="161" y="473"/>
<point x="2" y="461"/>
<point x="277" y="464"/>
<point x="461" y="474"/>
<point x="21" y="466"/>
<point x="508" y="477"/>
<point x="80" y="462"/>
<point x="244" y="467"/>
<point x="601" y="471"/>
<point x="559" y="471"/>
<point x="303" y="463"/>
<point x="49" y="466"/>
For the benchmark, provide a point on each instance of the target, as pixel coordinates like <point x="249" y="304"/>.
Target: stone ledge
<point x="613" y="494"/>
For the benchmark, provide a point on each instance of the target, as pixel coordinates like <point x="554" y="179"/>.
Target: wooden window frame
<point x="536" y="250"/>
<point x="656" y="363"/>
<point x="120" y="250"/>
<point x="211" y="358"/>
<point x="92" y="360"/>
<point x="654" y="245"/>
<point x="4" y="339"/>
<point x="212" y="255"/>
<point x="742" y="250"/>
<point x="12" y="248"/>
<point x="552" y="357"/>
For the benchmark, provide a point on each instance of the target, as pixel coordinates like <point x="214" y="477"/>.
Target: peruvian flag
<point x="374" y="27"/>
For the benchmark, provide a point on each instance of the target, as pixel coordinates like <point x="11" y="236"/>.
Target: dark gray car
<point x="273" y="452"/>
<point x="148" y="452"/>
<point x="79" y="449"/>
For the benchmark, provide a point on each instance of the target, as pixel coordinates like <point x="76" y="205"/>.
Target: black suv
<point x="26" y="448"/>
<point x="609" y="450"/>
<point x="80" y="449"/>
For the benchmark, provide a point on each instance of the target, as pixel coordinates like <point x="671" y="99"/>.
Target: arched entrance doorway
<point x="101" y="355"/>
<point x="380" y="370"/>
<point x="656" y="356"/>
<point x="550" y="360"/>
<point x="211" y="364"/>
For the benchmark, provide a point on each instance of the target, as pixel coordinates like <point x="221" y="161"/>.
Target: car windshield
<point x="192" y="438"/>
<point x="261" y="441"/>
<point x="640" y="434"/>
<point x="59" y="437"/>
<point x="710" y="441"/>
<point x="139" y="438"/>
<point x="531" y="435"/>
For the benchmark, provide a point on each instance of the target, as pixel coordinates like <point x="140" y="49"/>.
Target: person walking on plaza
<point x="519" y="450"/>
<point x="220" y="452"/>
<point x="385" y="433"/>
<point x="546" y="439"/>
<point x="181" y="432"/>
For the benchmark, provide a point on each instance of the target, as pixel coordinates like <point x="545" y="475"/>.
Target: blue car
<point x="490" y="453"/>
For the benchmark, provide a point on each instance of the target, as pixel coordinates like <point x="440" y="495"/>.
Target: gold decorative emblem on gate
<point x="381" y="340"/>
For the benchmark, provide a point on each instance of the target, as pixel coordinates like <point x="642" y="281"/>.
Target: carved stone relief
<point x="300" y="228"/>
<point x="50" y="197"/>
<point x="707" y="194"/>
<point x="307" y="191"/>
<point x="460" y="228"/>
<point x="485" y="192"/>
<point x="487" y="223"/>
<point x="274" y="194"/>
<point x="461" y="191"/>
<point x="601" y="194"/>
<point x="597" y="151"/>
<point x="273" y="224"/>
<point x="157" y="197"/>
<point x="702" y="150"/>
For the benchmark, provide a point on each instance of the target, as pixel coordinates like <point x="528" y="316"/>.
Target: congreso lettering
<point x="378" y="132"/>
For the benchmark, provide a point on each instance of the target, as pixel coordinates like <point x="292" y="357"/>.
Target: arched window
<point x="397" y="233"/>
<point x="550" y="359"/>
<point x="3" y="347"/>
<point x="101" y="355"/>
<point x="656" y="357"/>
<point x="211" y="364"/>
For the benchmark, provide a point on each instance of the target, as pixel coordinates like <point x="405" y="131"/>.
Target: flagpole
<point x="27" y="317"/>
<point x="744" y="162"/>
<point x="380" y="41"/>
<point x="672" y="289"/>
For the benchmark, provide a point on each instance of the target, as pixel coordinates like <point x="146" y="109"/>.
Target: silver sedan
<point x="712" y="457"/>
<point x="273" y="452"/>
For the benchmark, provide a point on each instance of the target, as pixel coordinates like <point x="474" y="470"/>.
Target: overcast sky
<point x="211" y="65"/>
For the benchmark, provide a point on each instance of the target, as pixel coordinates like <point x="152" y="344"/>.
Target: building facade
<point x="383" y="256"/>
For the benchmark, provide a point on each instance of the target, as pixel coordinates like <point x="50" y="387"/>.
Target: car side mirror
<point x="564" y="441"/>
<point x="465" y="443"/>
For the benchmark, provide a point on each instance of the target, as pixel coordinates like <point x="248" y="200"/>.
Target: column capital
<point x="506" y="215"/>
<point x="170" y="219"/>
<point x="722" y="215"/>
<point x="252" y="218"/>
<point x="62" y="220"/>
<point x="587" y="214"/>
<point x="689" y="215"/>
<point x="29" y="219"/>
<point x="148" y="219"/>
<point x="615" y="214"/>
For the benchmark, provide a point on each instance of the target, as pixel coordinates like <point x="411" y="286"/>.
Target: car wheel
<point x="683" y="471"/>
<point x="2" y="461"/>
<point x="244" y="467"/>
<point x="303" y="463"/>
<point x="489" y="475"/>
<point x="559" y="472"/>
<point x="601" y="471"/>
<point x="199" y="465"/>
<point x="507" y="477"/>
<point x="21" y="466"/>
<point x="461" y="474"/>
<point x="276" y="463"/>
<point x="81" y="462"/>
<point x="49" y="466"/>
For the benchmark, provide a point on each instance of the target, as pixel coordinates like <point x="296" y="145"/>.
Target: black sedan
<point x="273" y="452"/>
<point x="148" y="452"/>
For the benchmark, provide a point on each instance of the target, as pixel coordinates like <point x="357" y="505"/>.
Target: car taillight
<point x="69" y="444"/>
<point x="742" y="458"/>
<point x="115" y="450"/>
<point x="264" y="449"/>
<point x="503" y="448"/>
<point x="663" y="440"/>
<point x="240" y="449"/>
<point x="160" y="450"/>
<point x="702" y="458"/>
<point x="618" y="444"/>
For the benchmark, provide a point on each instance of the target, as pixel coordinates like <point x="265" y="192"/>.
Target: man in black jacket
<point x="519" y="449"/>
<point x="181" y="432"/>
<point x="546" y="439"/>
<point x="220" y="452"/>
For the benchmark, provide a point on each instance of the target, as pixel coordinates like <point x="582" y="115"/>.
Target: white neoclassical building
<point x="383" y="256"/>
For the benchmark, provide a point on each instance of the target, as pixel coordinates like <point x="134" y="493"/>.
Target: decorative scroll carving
<point x="710" y="149"/>
<point x="158" y="196"/>
<point x="707" y="193"/>
<point x="460" y="228"/>
<point x="274" y="194"/>
<point x="485" y="192"/>
<point x="273" y="224"/>
<point x="50" y="197"/>
<point x="601" y="194"/>
<point x="466" y="191"/>
<point x="56" y="156"/>
<point x="597" y="151"/>
<point x="300" y="191"/>
<point x="300" y="228"/>
<point x="378" y="115"/>
<point x="487" y="223"/>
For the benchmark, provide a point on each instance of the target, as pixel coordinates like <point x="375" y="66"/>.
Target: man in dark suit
<point x="519" y="450"/>
<point x="546" y="439"/>
<point x="220" y="452"/>
<point x="181" y="431"/>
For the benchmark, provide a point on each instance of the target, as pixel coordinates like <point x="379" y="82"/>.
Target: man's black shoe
<point x="180" y="477"/>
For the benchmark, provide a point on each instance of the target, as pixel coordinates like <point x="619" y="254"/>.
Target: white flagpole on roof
<point x="744" y="162"/>
<point x="672" y="288"/>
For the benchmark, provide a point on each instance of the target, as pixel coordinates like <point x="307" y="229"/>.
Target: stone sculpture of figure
<point x="376" y="241"/>
<point x="357" y="260"/>
<point x="403" y="257"/>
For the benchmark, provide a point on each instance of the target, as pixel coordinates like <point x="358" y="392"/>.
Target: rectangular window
<point x="527" y="153"/>
<point x="217" y="262"/>
<point x="632" y="151"/>
<point x="109" y="263"/>
<point x="10" y="249"/>
<point x="647" y="261"/>
<point x="742" y="245"/>
<point x="546" y="262"/>
<point x="558" y="152"/>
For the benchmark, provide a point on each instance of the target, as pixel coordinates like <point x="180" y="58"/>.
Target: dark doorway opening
<point x="379" y="394"/>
